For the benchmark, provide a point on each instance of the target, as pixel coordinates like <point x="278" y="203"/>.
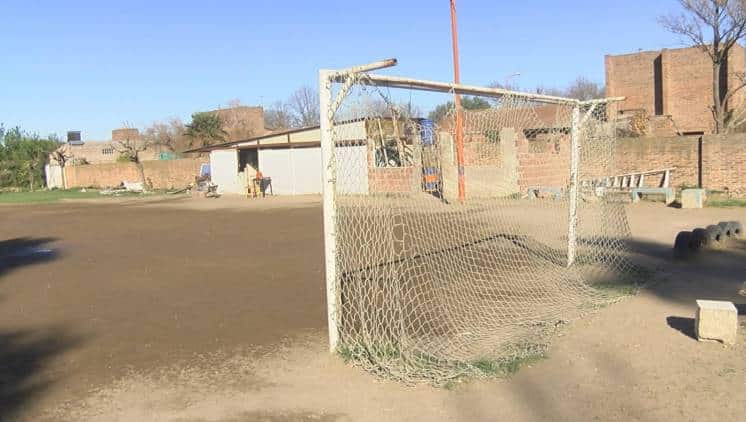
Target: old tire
<point x="682" y="245"/>
<point x="727" y="228"/>
<point x="700" y="240"/>
<point x="715" y="237"/>
<point x="736" y="229"/>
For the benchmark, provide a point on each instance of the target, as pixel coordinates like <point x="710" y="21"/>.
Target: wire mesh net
<point x="432" y="286"/>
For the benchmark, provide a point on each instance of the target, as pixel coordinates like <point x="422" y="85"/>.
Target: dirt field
<point x="213" y="310"/>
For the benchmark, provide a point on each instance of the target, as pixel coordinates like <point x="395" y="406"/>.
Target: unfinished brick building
<point x="672" y="88"/>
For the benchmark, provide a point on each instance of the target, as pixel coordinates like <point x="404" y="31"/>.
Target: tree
<point x="726" y="21"/>
<point x="170" y="135"/>
<point x="468" y="103"/>
<point x="304" y="104"/>
<point x="205" y="129"/>
<point x="279" y="117"/>
<point x="23" y="156"/>
<point x="584" y="89"/>
<point x="129" y="150"/>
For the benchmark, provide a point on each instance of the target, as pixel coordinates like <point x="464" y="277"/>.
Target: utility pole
<point x="457" y="103"/>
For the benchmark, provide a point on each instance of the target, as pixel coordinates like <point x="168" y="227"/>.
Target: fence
<point x="161" y="174"/>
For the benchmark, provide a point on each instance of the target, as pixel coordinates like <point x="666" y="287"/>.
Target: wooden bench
<point x="632" y="180"/>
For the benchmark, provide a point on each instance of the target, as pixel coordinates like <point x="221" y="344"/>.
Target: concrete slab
<point x="692" y="198"/>
<point x="716" y="320"/>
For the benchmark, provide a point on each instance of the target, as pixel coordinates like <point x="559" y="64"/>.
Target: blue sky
<point x="93" y="65"/>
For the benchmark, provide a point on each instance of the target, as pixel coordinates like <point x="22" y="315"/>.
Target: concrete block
<point x="692" y="198"/>
<point x="716" y="320"/>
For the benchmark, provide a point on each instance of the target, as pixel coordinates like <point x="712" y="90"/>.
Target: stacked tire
<point x="716" y="236"/>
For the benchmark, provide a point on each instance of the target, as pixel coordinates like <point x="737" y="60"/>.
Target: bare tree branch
<point x="726" y="20"/>
<point x="305" y="104"/>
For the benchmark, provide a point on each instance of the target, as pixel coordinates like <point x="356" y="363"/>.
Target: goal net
<point x="456" y="245"/>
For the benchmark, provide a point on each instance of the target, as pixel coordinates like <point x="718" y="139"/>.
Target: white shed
<point x="292" y="159"/>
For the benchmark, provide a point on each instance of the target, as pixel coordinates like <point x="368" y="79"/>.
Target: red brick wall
<point x="641" y="154"/>
<point x="723" y="160"/>
<point x="687" y="92"/>
<point x="163" y="174"/>
<point x="686" y="82"/>
<point x="724" y="163"/>
<point x="545" y="165"/>
<point x="391" y="179"/>
<point x="124" y="134"/>
<point x="631" y="76"/>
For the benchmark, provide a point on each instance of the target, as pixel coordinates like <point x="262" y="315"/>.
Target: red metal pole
<point x="457" y="103"/>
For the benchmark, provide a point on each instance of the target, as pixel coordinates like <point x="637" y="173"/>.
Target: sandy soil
<point x="192" y="310"/>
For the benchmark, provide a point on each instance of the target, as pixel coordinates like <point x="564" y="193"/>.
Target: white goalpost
<point x="424" y="284"/>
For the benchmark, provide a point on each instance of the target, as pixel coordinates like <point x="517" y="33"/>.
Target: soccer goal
<point x="456" y="245"/>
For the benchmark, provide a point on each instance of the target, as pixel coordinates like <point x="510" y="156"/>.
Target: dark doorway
<point x="658" y="84"/>
<point x="248" y="156"/>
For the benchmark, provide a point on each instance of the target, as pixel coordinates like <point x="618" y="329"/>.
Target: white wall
<point x="294" y="171"/>
<point x="224" y="170"/>
<point x="54" y="176"/>
<point x="307" y="170"/>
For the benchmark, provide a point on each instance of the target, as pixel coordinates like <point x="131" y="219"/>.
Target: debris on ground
<point x="124" y="187"/>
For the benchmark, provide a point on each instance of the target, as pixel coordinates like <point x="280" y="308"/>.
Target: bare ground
<point x="213" y="310"/>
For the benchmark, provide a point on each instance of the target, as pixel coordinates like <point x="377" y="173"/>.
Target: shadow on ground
<point x="24" y="251"/>
<point x="683" y="325"/>
<point x="710" y="274"/>
<point x="713" y="274"/>
<point x="25" y="353"/>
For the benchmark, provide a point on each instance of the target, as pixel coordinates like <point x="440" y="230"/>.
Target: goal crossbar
<point x="342" y="76"/>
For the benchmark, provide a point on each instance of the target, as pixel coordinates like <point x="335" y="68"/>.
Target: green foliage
<point x="468" y="103"/>
<point x="205" y="129"/>
<point x="726" y="203"/>
<point x="46" y="196"/>
<point x="124" y="158"/>
<point x="23" y="156"/>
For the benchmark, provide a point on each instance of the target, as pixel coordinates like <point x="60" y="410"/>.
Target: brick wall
<point x="96" y="152"/>
<point x="543" y="162"/>
<point x="631" y="76"/>
<point x="241" y="122"/>
<point x="723" y="159"/>
<point x="393" y="179"/>
<point x="124" y="134"/>
<point x="641" y="154"/>
<point x="164" y="174"/>
<point x="687" y="88"/>
<point x="724" y="163"/>
<point x="686" y="84"/>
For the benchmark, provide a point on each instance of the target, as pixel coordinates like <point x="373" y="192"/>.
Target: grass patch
<point x="378" y="352"/>
<point x="618" y="289"/>
<point x="525" y="355"/>
<point x="54" y="195"/>
<point x="725" y="203"/>
<point x="375" y="358"/>
<point x="46" y="196"/>
<point x="628" y="285"/>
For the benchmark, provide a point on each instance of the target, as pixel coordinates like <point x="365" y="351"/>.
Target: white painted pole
<point x="448" y="87"/>
<point x="330" y="230"/>
<point x="381" y="64"/>
<point x="573" y="191"/>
